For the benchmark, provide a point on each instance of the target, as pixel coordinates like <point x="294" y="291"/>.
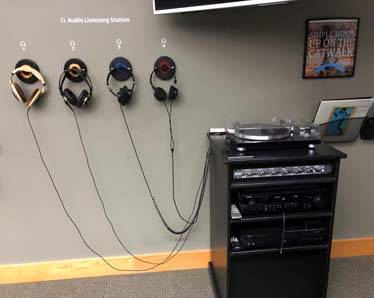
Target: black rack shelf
<point x="281" y="182"/>
<point x="278" y="217"/>
<point x="277" y="250"/>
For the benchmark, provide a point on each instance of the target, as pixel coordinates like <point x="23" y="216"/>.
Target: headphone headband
<point x="33" y="71"/>
<point x="37" y="92"/>
<point x="111" y="74"/>
<point x="83" y="74"/>
<point x="154" y="71"/>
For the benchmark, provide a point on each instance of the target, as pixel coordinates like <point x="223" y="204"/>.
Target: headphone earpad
<point x="34" y="97"/>
<point x="83" y="98"/>
<point x="124" y="95"/>
<point x="70" y="97"/>
<point x="173" y="93"/>
<point x="160" y="94"/>
<point x="18" y="92"/>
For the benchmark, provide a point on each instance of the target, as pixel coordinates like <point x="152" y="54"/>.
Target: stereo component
<point x="309" y="170"/>
<point x="251" y="137"/>
<point x="287" y="201"/>
<point x="260" y="238"/>
<point x="306" y="232"/>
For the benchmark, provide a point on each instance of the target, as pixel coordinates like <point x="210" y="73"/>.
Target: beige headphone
<point x="27" y="71"/>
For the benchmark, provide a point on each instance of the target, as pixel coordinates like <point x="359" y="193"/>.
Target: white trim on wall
<point x="217" y="6"/>
<point x="187" y="260"/>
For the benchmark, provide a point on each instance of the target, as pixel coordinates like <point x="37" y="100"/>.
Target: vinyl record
<point x="262" y="132"/>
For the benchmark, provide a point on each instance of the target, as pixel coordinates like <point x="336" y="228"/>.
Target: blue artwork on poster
<point x="339" y="121"/>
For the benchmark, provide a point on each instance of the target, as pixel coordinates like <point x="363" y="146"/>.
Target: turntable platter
<point x="261" y="132"/>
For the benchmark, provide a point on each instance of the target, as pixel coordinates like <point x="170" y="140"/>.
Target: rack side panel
<point x="219" y="218"/>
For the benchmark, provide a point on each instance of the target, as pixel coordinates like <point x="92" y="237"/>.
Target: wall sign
<point x="330" y="48"/>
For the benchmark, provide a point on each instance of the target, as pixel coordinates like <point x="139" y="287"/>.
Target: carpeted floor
<point x="350" y="278"/>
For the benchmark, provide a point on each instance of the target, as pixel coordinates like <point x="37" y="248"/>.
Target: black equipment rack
<point x="284" y="271"/>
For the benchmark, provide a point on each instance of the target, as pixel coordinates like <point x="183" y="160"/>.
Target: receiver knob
<point x="317" y="199"/>
<point x="286" y="171"/>
<point x="239" y="174"/>
<point x="318" y="169"/>
<point x="275" y="172"/>
<point x="298" y="170"/>
<point x="309" y="170"/>
<point x="252" y="202"/>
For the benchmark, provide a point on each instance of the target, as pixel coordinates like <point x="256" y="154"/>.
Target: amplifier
<point x="311" y="232"/>
<point x="285" y="201"/>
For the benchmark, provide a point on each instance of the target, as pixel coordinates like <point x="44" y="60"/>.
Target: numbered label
<point x="119" y="43"/>
<point x="22" y="44"/>
<point x="73" y="45"/>
<point x="163" y="42"/>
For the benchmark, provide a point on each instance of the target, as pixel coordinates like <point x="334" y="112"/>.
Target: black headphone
<point x="124" y="94"/>
<point x="69" y="96"/>
<point x="160" y="93"/>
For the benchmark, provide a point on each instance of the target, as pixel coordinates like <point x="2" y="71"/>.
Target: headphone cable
<point x="172" y="154"/>
<point x="172" y="147"/>
<point x="100" y="197"/>
<point x="201" y="193"/>
<point x="172" y="254"/>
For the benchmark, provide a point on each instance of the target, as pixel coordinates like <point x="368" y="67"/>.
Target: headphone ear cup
<point x="83" y="98"/>
<point x="18" y="93"/>
<point x="124" y="95"/>
<point x="173" y="92"/>
<point x="34" y="97"/>
<point x="160" y="94"/>
<point x="70" y="97"/>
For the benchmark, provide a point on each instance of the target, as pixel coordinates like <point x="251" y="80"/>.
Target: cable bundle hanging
<point x="191" y="221"/>
<point x="181" y="242"/>
<point x="166" y="69"/>
<point x="79" y="101"/>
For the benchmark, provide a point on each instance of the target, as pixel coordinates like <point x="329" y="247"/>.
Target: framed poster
<point x="330" y="48"/>
<point x="340" y="120"/>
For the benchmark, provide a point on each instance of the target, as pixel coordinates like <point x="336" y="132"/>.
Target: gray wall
<point x="243" y="64"/>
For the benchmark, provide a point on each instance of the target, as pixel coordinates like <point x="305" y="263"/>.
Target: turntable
<point x="286" y="134"/>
